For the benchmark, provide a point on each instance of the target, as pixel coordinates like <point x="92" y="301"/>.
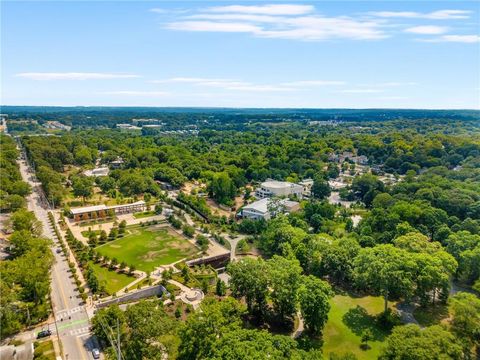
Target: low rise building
<point x="117" y="163"/>
<point x="307" y="187"/>
<point x="267" y="208"/>
<point x="102" y="211"/>
<point x="274" y="188"/>
<point x="100" y="171"/>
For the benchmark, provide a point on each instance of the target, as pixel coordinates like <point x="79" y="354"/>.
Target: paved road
<point x="71" y="317"/>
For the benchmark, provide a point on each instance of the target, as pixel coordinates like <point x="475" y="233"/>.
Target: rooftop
<point x="86" y="209"/>
<point x="262" y="205"/>
<point x="277" y="184"/>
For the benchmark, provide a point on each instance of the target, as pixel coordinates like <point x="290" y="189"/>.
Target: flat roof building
<point x="276" y="188"/>
<point x="99" y="211"/>
<point x="100" y="171"/>
<point x="267" y="208"/>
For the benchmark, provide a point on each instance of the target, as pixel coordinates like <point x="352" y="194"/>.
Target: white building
<point x="101" y="171"/>
<point x="266" y="208"/>
<point x="96" y="211"/>
<point x="307" y="187"/>
<point x="271" y="188"/>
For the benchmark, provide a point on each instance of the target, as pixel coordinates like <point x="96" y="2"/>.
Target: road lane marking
<point x="73" y="323"/>
<point x="65" y="304"/>
<point x="81" y="347"/>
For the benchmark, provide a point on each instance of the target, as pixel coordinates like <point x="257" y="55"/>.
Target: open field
<point x="348" y="318"/>
<point x="44" y="350"/>
<point x="112" y="280"/>
<point x="141" y="215"/>
<point x="149" y="247"/>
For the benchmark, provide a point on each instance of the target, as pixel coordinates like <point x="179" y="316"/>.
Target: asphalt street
<point x="71" y="323"/>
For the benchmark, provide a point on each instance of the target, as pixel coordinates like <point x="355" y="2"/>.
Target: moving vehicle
<point x="44" y="333"/>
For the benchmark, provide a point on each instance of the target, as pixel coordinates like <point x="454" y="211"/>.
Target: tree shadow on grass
<point x="432" y="315"/>
<point x="358" y="320"/>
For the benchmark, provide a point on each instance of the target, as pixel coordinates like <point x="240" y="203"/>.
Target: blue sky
<point x="320" y="54"/>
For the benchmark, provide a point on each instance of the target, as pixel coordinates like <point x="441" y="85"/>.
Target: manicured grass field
<point x="112" y="280"/>
<point x="44" y="350"/>
<point x="348" y="318"/>
<point x="87" y="233"/>
<point x="148" y="247"/>
<point x="140" y="215"/>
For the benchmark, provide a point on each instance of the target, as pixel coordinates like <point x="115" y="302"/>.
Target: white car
<point x="96" y="353"/>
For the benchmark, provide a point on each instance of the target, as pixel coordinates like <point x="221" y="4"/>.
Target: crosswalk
<point x="80" y="331"/>
<point x="62" y="314"/>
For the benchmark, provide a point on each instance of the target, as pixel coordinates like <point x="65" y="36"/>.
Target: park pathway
<point x="300" y="328"/>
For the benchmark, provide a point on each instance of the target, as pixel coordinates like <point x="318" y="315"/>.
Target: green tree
<point x="203" y="328"/>
<point x="222" y="188"/>
<point x="26" y="220"/>
<point x="82" y="186"/>
<point x="366" y="337"/>
<point x="188" y="230"/>
<point x="465" y="309"/>
<point x="249" y="279"/>
<point x="284" y="275"/>
<point x="411" y="342"/>
<point x="314" y="297"/>
<point x="386" y="270"/>
<point x="320" y="188"/>
<point x="220" y="288"/>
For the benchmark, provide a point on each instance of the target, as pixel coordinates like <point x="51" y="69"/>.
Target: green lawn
<point x="432" y="315"/>
<point x="112" y="280"/>
<point x="348" y="318"/>
<point x="149" y="247"/>
<point x="87" y="233"/>
<point x="140" y="215"/>
<point x="142" y="283"/>
<point x="44" y="350"/>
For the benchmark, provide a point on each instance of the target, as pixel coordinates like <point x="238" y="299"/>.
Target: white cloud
<point x="240" y="85"/>
<point x="73" y="76"/>
<point x="449" y="14"/>
<point x="309" y="83"/>
<point x="396" y="83"/>
<point x="260" y="88"/>
<point x="302" y="22"/>
<point x="190" y="80"/>
<point x="158" y="10"/>
<point x="392" y="98"/>
<point x="203" y="81"/>
<point x="226" y="84"/>
<point x="213" y="26"/>
<point x="136" y="93"/>
<point x="435" y="15"/>
<point x="468" y="39"/>
<point x="360" y="91"/>
<point x="255" y="18"/>
<point x="271" y="9"/>
<point x="427" y="30"/>
<point x="308" y="28"/>
<point x="461" y="38"/>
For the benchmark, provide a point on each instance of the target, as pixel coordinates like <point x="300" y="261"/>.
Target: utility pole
<point x="119" y="356"/>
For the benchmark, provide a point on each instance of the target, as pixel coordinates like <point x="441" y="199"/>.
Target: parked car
<point x="96" y="353"/>
<point x="44" y="333"/>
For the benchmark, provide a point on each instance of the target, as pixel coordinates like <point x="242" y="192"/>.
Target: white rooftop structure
<point x="271" y="188"/>
<point x="260" y="208"/>
<point x="118" y="209"/>
<point x="87" y="209"/>
<point x="100" y="171"/>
